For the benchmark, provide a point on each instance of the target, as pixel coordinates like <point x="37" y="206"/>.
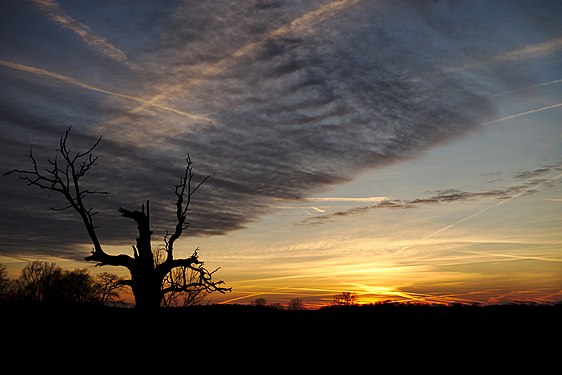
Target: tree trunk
<point x="147" y="289"/>
<point x="145" y="280"/>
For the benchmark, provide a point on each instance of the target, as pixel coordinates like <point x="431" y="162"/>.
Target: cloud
<point x="330" y="217"/>
<point x="525" y="175"/>
<point x="505" y="193"/>
<point x="302" y="96"/>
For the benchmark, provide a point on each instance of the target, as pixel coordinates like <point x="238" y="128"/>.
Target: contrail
<point x="346" y="199"/>
<point x="301" y="23"/>
<point x="504" y="201"/>
<point x="75" y="82"/>
<point x="553" y="82"/>
<point x="511" y="256"/>
<point x="318" y="209"/>
<point x="523" y="113"/>
<point x="57" y="14"/>
<point x="527" y="52"/>
<point x="251" y="295"/>
<point x="20" y="258"/>
<point x="515" y="55"/>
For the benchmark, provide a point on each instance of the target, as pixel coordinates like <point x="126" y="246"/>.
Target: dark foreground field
<point x="230" y="323"/>
<point x="499" y="338"/>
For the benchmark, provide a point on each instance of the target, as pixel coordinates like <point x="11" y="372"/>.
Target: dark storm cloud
<point x="301" y="96"/>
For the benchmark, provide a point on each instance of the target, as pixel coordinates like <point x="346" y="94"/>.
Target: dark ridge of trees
<point x="425" y="337"/>
<point x="155" y="274"/>
<point x="232" y="323"/>
<point x="51" y="323"/>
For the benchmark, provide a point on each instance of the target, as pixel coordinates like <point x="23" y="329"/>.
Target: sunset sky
<point x="403" y="150"/>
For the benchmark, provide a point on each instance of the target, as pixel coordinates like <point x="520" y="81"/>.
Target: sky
<point x="401" y="150"/>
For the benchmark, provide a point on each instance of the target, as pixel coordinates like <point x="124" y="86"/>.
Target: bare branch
<point x="204" y="279"/>
<point x="183" y="192"/>
<point x="65" y="179"/>
<point x="61" y="209"/>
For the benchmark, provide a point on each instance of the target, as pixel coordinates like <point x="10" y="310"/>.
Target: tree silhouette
<point x="295" y="304"/>
<point x="147" y="276"/>
<point x="345" y="299"/>
<point x="108" y="286"/>
<point x="259" y="302"/>
<point x="36" y="281"/>
<point x="44" y="281"/>
<point x="4" y="280"/>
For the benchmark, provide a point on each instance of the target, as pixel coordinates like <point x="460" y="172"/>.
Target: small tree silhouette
<point x="259" y="302"/>
<point x="147" y="276"/>
<point x="345" y="299"/>
<point x="295" y="304"/>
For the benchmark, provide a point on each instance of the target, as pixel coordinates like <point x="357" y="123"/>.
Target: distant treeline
<point x="41" y="281"/>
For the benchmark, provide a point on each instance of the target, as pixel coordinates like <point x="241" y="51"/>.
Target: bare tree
<point x="147" y="276"/>
<point x="295" y="304"/>
<point x="77" y="286"/>
<point x="259" y="302"/>
<point x="36" y="281"/>
<point x="108" y="286"/>
<point x="345" y="299"/>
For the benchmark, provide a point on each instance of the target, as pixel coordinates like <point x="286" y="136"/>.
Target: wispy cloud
<point x="520" y="191"/>
<point x="504" y="194"/>
<point x="535" y="173"/>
